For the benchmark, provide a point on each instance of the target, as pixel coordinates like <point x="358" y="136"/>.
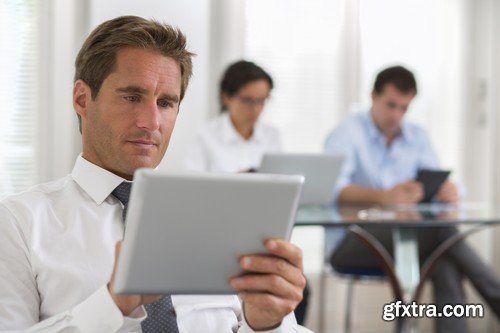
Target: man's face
<point x="389" y="108"/>
<point x="129" y="124"/>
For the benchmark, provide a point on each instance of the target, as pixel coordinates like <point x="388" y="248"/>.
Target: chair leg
<point x="322" y="301"/>
<point x="348" y="306"/>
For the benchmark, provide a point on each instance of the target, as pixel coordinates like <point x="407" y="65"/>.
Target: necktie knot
<point x="122" y="192"/>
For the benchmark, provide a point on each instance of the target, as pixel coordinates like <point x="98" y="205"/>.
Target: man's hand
<point x="448" y="193"/>
<point x="273" y="286"/>
<point x="127" y="303"/>
<point x="404" y="193"/>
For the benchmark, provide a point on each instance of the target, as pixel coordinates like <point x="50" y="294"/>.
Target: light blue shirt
<point x="369" y="162"/>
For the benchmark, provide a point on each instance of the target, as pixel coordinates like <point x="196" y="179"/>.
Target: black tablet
<point x="432" y="180"/>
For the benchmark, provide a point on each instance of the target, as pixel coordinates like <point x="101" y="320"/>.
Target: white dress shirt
<point x="56" y="257"/>
<point x="219" y="147"/>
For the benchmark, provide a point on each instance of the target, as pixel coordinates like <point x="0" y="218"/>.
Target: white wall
<point x="62" y="27"/>
<point x="496" y="144"/>
<point x="226" y="44"/>
<point x="495" y="88"/>
<point x="480" y="118"/>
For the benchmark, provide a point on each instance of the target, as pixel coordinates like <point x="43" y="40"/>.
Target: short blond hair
<point x="97" y="57"/>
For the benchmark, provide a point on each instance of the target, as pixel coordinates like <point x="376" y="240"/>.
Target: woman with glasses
<point x="236" y="140"/>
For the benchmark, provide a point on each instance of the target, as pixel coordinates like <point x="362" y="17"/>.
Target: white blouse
<point x="220" y="148"/>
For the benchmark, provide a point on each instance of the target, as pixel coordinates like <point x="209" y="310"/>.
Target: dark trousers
<point x="301" y="310"/>
<point x="460" y="261"/>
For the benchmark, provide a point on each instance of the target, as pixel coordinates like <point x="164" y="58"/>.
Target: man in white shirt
<point x="58" y="250"/>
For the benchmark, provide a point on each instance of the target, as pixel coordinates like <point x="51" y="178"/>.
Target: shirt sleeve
<point x="339" y="143"/>
<point x="288" y="325"/>
<point x="20" y="300"/>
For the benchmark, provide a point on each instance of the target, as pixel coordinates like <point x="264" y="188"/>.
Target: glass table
<point x="404" y="271"/>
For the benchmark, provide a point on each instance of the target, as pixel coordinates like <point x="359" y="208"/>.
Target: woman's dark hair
<point x="399" y="76"/>
<point x="239" y="74"/>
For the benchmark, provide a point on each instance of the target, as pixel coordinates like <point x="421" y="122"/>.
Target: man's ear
<point x="374" y="95"/>
<point x="81" y="98"/>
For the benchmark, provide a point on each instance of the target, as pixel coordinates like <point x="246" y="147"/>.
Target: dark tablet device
<point x="432" y="180"/>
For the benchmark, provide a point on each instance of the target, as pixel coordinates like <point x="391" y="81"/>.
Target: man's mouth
<point x="143" y="143"/>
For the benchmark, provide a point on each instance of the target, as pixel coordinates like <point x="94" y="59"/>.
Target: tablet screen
<point x="432" y="180"/>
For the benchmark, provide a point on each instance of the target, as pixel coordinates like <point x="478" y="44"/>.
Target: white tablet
<point x="186" y="231"/>
<point x="321" y="172"/>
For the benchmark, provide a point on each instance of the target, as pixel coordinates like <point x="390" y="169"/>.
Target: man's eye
<point x="132" y="98"/>
<point x="164" y="104"/>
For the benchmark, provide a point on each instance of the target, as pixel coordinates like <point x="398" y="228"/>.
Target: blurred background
<point x="322" y="54"/>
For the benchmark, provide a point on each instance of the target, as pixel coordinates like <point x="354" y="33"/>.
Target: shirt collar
<point x="374" y="132"/>
<point x="230" y="134"/>
<point x="96" y="181"/>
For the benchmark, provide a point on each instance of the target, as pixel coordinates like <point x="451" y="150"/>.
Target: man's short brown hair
<point x="400" y="77"/>
<point x="97" y="57"/>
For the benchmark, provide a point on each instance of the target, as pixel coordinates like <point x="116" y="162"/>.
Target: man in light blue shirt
<point x="383" y="155"/>
<point x="384" y="152"/>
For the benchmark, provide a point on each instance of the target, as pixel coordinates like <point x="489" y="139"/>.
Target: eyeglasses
<point x="249" y="101"/>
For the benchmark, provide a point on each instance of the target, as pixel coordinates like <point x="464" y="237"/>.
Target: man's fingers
<point x="269" y="284"/>
<point x="416" y="188"/>
<point x="273" y="265"/>
<point x="449" y="196"/>
<point x="286" y="250"/>
<point x="118" y="247"/>
<point x="150" y="299"/>
<point x="419" y="195"/>
<point x="279" y="273"/>
<point x="448" y="192"/>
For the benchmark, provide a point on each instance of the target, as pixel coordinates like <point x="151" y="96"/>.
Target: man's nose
<point x="397" y="112"/>
<point x="149" y="117"/>
<point x="256" y="107"/>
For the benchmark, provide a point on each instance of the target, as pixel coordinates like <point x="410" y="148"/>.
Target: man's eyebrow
<point x="171" y="98"/>
<point x="142" y="91"/>
<point x="131" y="89"/>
